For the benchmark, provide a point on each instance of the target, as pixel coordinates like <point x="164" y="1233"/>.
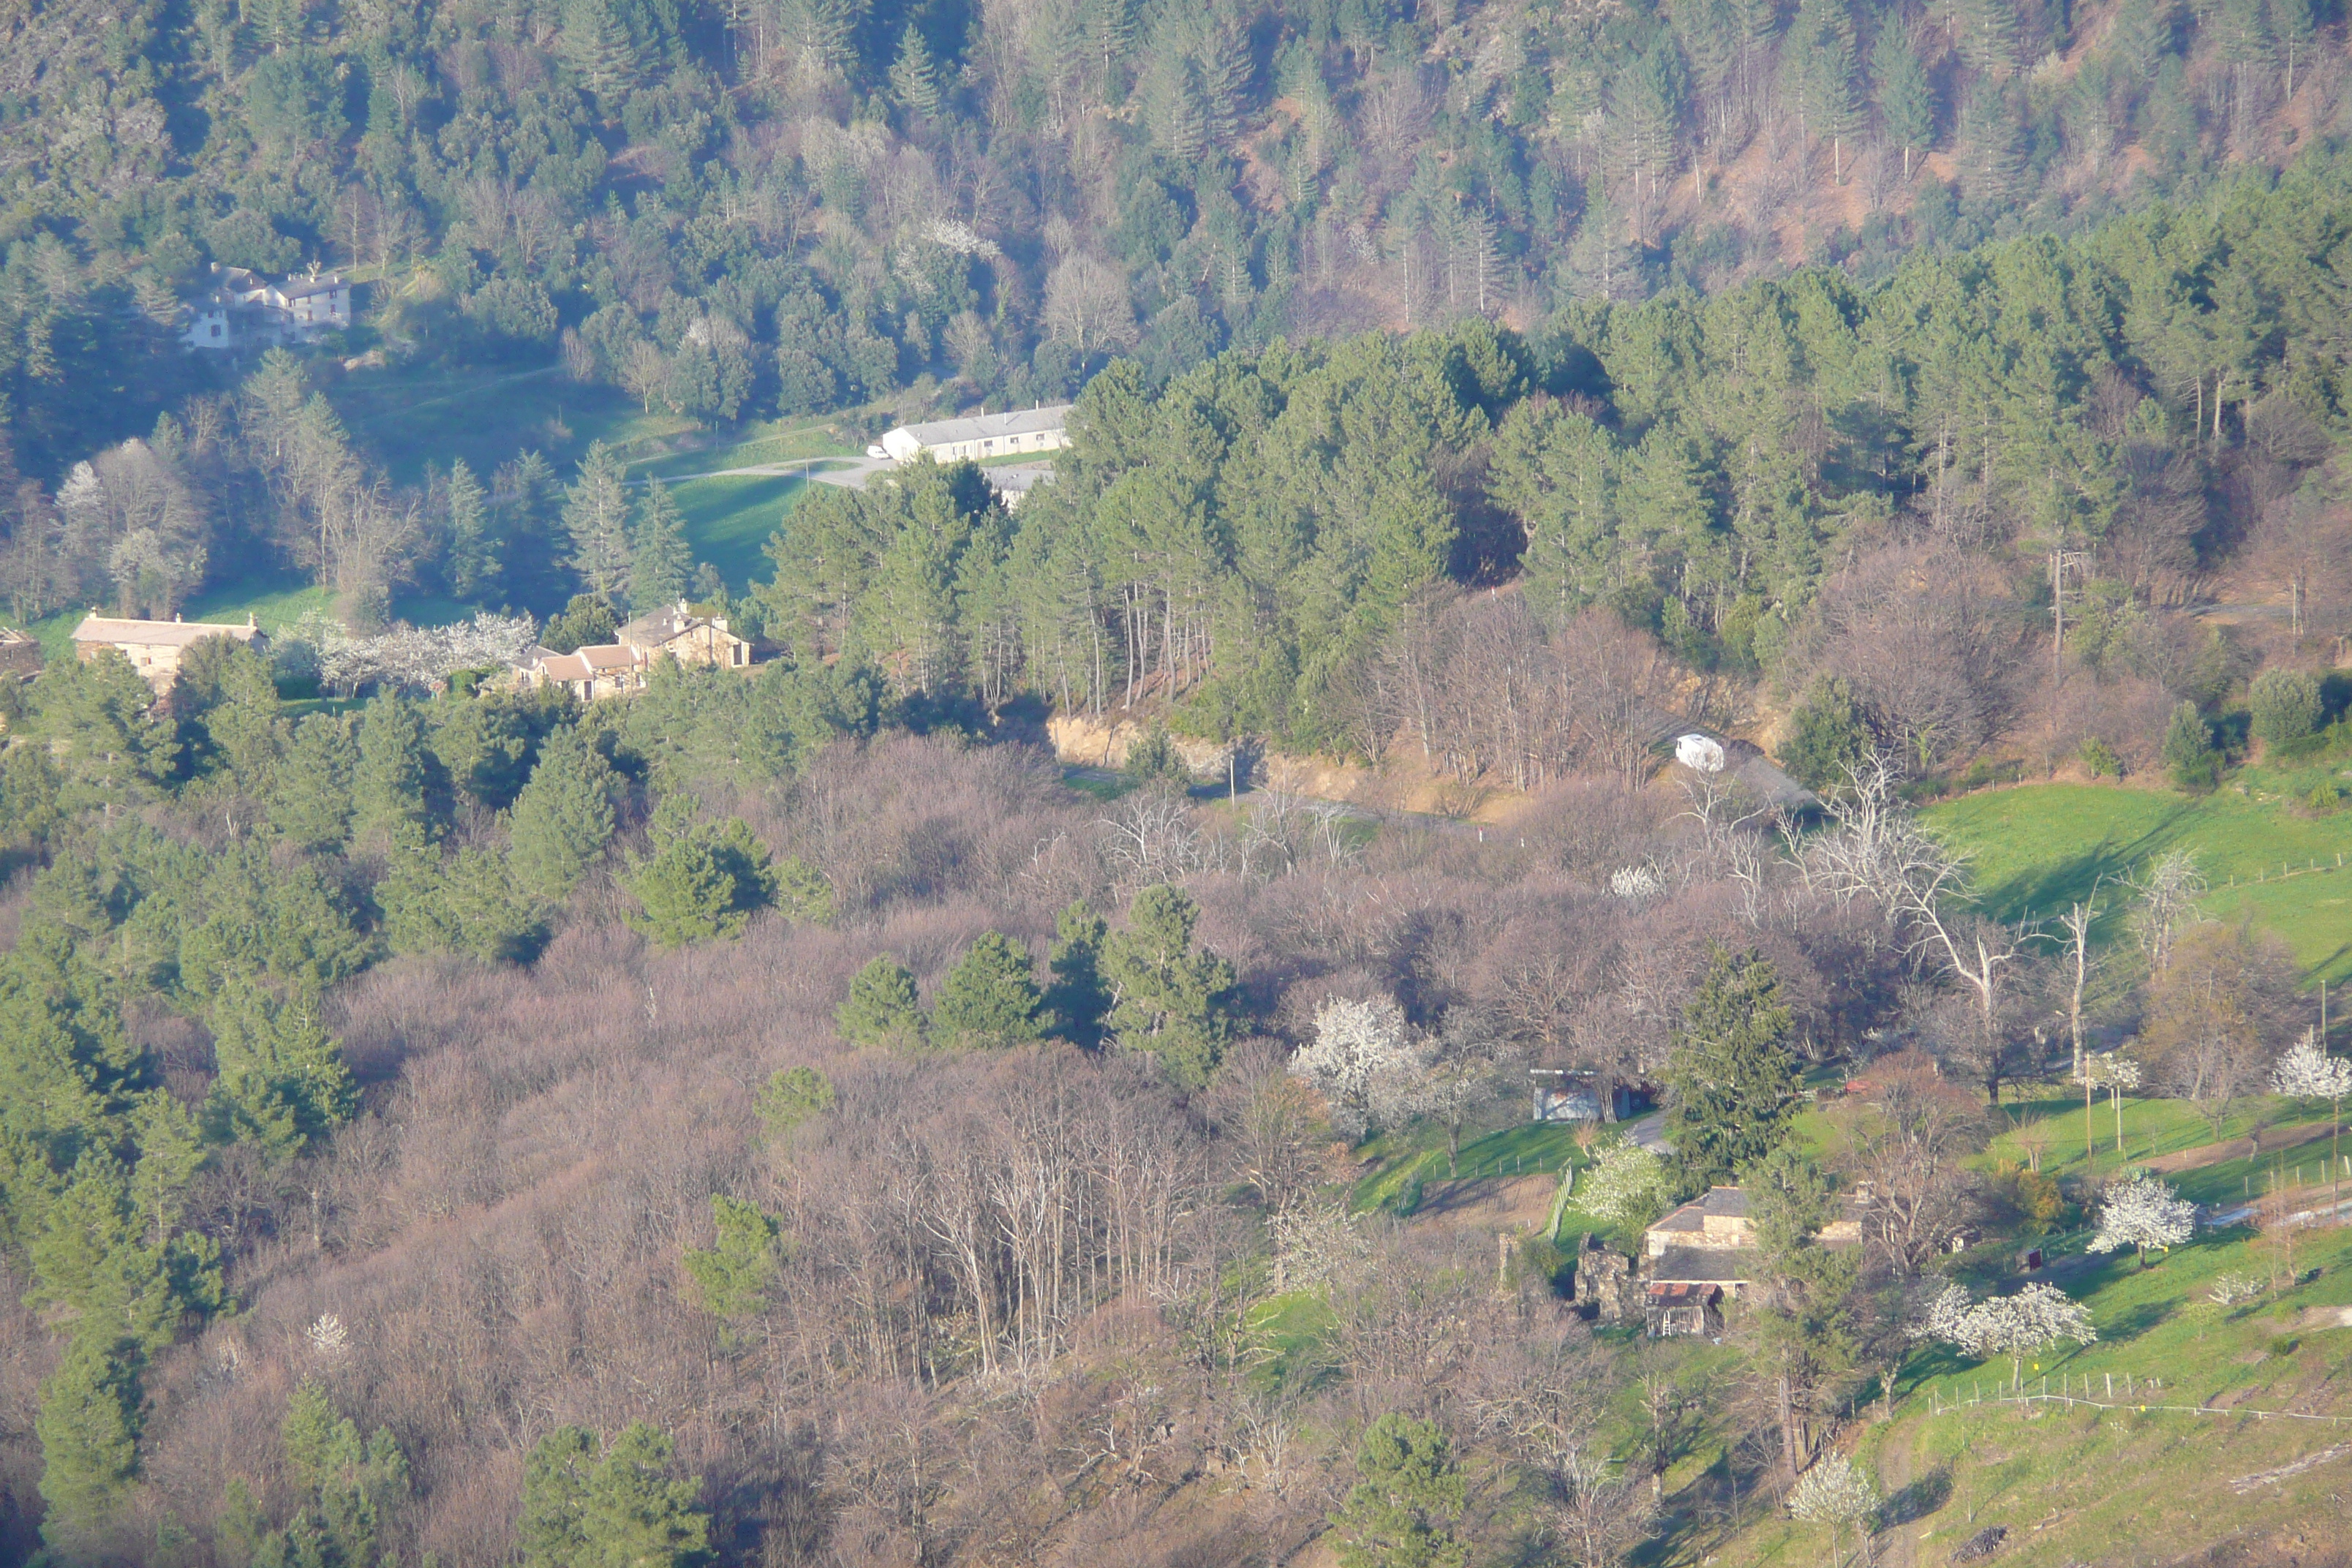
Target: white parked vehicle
<point x="875" y="452"/>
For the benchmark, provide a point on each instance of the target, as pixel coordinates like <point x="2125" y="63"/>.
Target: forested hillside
<point x="721" y="1127"/>
<point x="781" y="1117"/>
<point x="803" y="205"/>
<point x="1808" y="477"/>
<point x="1782" y="479"/>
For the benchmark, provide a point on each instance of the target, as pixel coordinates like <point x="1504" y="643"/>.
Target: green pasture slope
<point x="412" y="417"/>
<point x="2038" y="847"/>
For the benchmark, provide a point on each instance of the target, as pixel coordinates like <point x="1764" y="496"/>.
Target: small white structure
<point x="1699" y="752"/>
<point x="981" y="435"/>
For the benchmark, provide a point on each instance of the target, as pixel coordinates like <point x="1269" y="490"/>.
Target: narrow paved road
<point x="1648" y="1131"/>
<point x="851" y="473"/>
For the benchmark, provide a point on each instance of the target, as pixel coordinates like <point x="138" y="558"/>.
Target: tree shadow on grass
<point x="1923" y="1497"/>
<point x="2134" y="1321"/>
<point x="2047" y="888"/>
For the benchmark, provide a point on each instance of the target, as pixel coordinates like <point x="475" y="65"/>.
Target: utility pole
<point x="2060" y="559"/>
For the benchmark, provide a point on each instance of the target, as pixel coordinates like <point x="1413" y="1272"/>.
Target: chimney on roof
<point x="249" y="621"/>
<point x="175" y="618"/>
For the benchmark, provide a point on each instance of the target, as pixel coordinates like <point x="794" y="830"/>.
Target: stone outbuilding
<point x="20" y="653"/>
<point x="1606" y="1282"/>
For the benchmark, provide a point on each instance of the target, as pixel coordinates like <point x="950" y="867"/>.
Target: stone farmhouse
<point x="616" y="668"/>
<point x="1040" y="429"/>
<point x="1704" y="1254"/>
<point x="244" y="310"/>
<point x="155" y="647"/>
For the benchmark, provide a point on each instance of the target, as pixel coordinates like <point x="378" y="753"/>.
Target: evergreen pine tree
<point x="279" y="1082"/>
<point x="660" y="562"/>
<point x="704" y="879"/>
<point x="1075" y="998"/>
<point x="527" y="497"/>
<point x="2188" y="754"/>
<point x="87" y="1425"/>
<point x="881" y="1008"/>
<point x="2294" y="25"/>
<point x="596" y="515"/>
<point x="1173" y="1001"/>
<point x="792" y="1095"/>
<point x="239" y="714"/>
<point x="586" y="620"/>
<point x="351" y="1485"/>
<point x="989" y="997"/>
<point x="1732" y="1080"/>
<point x="734" y="1277"/>
<point x="1992" y="149"/>
<point x="110" y="747"/>
<point x="563" y="818"/>
<point x="1220" y="72"/>
<point x="1829" y="71"/>
<point x="312" y="806"/>
<point x="598" y="45"/>
<point x="552" y="1532"/>
<point x="1987" y="35"/>
<point x="1828" y="735"/>
<point x="632" y="1516"/>
<point x="1804" y="1325"/>
<point x="473" y="563"/>
<point x="1403" y="1510"/>
<point x="914" y="80"/>
<point x="582" y="1511"/>
<point x="1906" y="99"/>
<point x="1110" y="33"/>
<point x="388" y="784"/>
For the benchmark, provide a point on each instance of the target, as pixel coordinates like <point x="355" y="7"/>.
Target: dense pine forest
<point x="823" y="203"/>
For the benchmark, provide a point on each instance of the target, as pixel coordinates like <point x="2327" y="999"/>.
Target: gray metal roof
<point x="990" y="426"/>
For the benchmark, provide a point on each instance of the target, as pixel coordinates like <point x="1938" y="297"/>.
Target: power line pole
<point x="2060" y="559"/>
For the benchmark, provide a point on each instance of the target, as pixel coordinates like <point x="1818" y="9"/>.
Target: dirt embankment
<point x="1404" y="785"/>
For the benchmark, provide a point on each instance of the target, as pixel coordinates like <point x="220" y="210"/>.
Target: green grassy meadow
<point x="414" y="416"/>
<point x="1521" y="1149"/>
<point x="2038" y="847"/>
<point x="730" y="519"/>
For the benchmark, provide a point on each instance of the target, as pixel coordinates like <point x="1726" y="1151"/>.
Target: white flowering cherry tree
<point x="2027" y="1323"/>
<point x="2141" y="1214"/>
<point x="2308" y="1072"/>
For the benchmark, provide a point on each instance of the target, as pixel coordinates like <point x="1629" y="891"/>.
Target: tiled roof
<point x="157" y="634"/>
<point x="1677" y="1291"/>
<point x="565" y="666"/>
<point x="658" y="626"/>
<point x="1713" y="1264"/>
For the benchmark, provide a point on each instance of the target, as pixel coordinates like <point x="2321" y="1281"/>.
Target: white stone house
<point x="245" y="309"/>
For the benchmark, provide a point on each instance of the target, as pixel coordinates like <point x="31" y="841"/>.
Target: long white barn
<point x="981" y="435"/>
